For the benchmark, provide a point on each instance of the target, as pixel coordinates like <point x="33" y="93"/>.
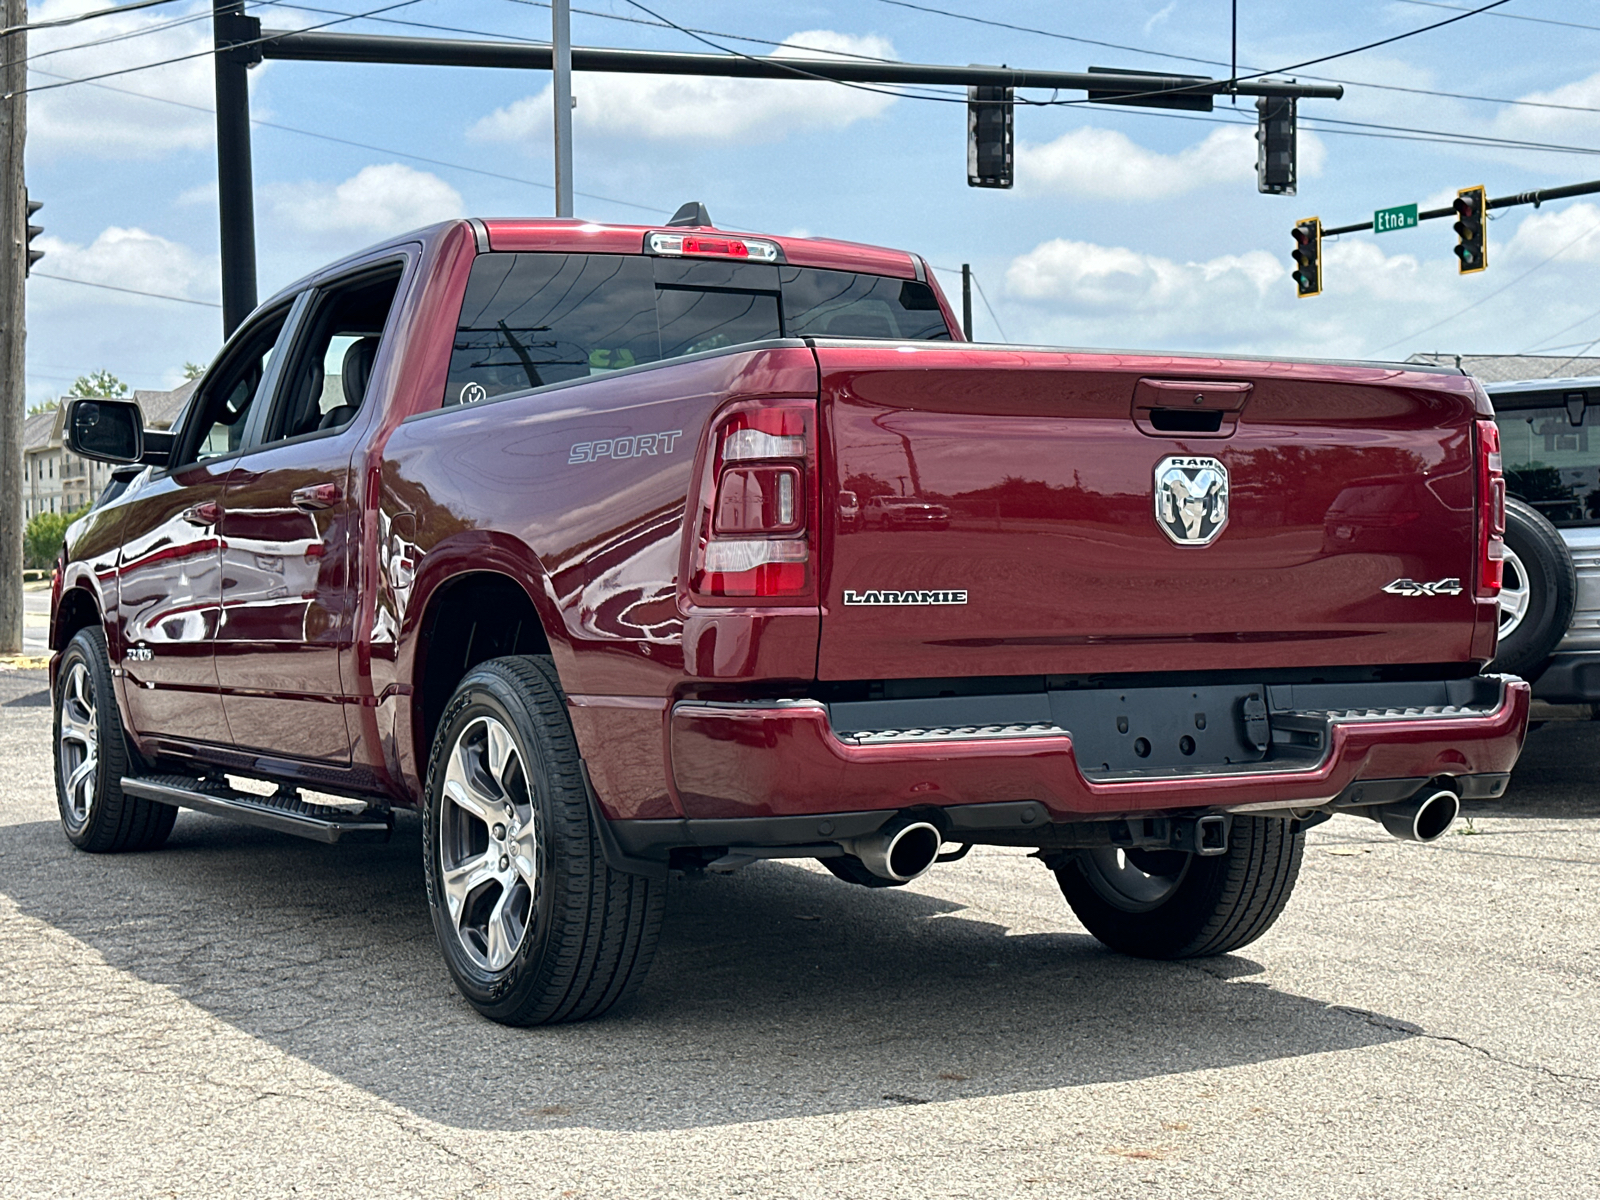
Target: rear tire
<point x="1172" y="904"/>
<point x="1540" y="593"/>
<point x="92" y="755"/>
<point x="534" y="926"/>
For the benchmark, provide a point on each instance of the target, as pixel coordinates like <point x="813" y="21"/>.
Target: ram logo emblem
<point x="1191" y="497"/>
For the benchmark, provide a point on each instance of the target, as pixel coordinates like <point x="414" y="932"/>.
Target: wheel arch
<point x="468" y="617"/>
<point x="78" y="608"/>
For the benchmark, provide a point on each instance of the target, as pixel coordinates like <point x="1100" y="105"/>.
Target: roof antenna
<point x="692" y="215"/>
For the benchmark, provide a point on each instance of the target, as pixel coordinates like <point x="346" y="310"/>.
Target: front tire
<point x="534" y="926"/>
<point x="92" y="755"/>
<point x="1173" y="904"/>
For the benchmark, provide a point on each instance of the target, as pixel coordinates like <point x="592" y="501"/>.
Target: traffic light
<point x="1275" y="145"/>
<point x="1307" y="273"/>
<point x="990" y="154"/>
<point x="34" y="231"/>
<point x="1472" y="229"/>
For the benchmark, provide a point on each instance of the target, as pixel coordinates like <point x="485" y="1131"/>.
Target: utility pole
<point x="966" y="300"/>
<point x="235" y="187"/>
<point x="13" y="256"/>
<point x="561" y="88"/>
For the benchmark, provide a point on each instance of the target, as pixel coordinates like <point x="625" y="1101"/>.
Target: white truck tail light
<point x="1491" y="511"/>
<point x="755" y="537"/>
<point x="696" y="245"/>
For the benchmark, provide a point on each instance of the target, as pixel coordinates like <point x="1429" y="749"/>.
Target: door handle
<point x="208" y="512"/>
<point x="317" y="496"/>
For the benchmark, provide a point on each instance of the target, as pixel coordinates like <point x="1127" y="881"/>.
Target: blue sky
<point x="1128" y="229"/>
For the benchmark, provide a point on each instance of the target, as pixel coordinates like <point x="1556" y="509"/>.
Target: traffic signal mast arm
<point x="1534" y="198"/>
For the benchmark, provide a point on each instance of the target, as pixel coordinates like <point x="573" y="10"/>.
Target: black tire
<point x="585" y="933"/>
<point x="1552" y="590"/>
<point x="1212" y="905"/>
<point x="92" y="755"/>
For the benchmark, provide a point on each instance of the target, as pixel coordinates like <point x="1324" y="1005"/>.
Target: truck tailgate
<point x="1035" y="512"/>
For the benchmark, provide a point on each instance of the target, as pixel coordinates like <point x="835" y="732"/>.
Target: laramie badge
<point x="1191" y="497"/>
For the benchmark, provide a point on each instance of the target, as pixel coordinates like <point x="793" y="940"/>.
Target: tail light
<point x="1491" y="511"/>
<point x="755" y="537"/>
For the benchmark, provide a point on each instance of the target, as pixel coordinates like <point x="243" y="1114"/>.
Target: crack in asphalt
<point x="1406" y="1027"/>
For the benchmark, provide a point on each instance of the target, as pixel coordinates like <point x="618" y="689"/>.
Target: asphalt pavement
<point x="246" y="1014"/>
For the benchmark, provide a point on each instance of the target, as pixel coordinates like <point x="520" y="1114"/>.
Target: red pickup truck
<point x="620" y="551"/>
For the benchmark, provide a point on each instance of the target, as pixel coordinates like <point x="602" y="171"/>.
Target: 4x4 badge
<point x="1410" y="587"/>
<point x="1191" y="499"/>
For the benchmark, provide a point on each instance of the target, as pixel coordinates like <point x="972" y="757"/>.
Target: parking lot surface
<point x="246" y="1014"/>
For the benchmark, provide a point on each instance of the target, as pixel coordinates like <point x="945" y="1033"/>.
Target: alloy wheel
<point x="1515" y="594"/>
<point x="488" y="844"/>
<point x="78" y="751"/>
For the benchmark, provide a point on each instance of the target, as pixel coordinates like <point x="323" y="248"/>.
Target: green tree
<point x="41" y="541"/>
<point x="192" y="370"/>
<point x="45" y="406"/>
<point x="98" y="383"/>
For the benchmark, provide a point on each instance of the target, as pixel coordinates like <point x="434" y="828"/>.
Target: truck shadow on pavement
<point x="777" y="992"/>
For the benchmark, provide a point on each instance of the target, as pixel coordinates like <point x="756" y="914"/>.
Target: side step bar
<point x="284" y="813"/>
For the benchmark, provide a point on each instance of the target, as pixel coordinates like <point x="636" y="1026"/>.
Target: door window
<point x="327" y="384"/>
<point x="222" y="413"/>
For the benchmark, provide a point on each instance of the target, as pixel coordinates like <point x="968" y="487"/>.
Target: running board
<point x="284" y="813"/>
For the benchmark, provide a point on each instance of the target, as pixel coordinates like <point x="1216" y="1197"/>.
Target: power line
<point x="1485" y="299"/>
<point x="159" y="27"/>
<point x="1209" y="62"/>
<point x="328" y="137"/>
<point x="207" y="53"/>
<point x="111" y="287"/>
<point x="88" y="16"/>
<point x="1506" y="16"/>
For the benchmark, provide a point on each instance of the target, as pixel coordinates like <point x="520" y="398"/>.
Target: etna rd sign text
<point x="1388" y="219"/>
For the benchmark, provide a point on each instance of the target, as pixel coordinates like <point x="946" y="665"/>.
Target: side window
<point x="327" y="382"/>
<point x="532" y="319"/>
<point x="222" y="410"/>
<point x="843" y="304"/>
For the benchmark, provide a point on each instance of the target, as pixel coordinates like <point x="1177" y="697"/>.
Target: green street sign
<point x="1385" y="220"/>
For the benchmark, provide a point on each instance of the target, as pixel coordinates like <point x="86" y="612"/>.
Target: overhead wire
<point x="206" y="53"/>
<point x="1214" y="62"/>
<point x="1590" y="232"/>
<point x="58" y="22"/>
<point x="1506" y="16"/>
<point x="111" y="287"/>
<point x="328" y="137"/>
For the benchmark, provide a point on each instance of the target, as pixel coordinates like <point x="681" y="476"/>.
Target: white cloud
<point x="670" y="107"/>
<point x="1571" y="232"/>
<point x="1382" y="297"/>
<point x="1160" y="17"/>
<point x="1106" y="164"/>
<point x="90" y="119"/>
<point x="1082" y="275"/>
<point x="1554" y="124"/>
<point x="129" y="258"/>
<point x="375" y="202"/>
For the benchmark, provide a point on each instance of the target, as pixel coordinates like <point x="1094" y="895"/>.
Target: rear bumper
<point x="776" y="759"/>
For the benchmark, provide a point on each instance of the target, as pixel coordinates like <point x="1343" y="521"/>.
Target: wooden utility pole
<point x="13" y="259"/>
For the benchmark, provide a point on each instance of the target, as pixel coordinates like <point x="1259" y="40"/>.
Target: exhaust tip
<point x="899" y="852"/>
<point x="1424" y="818"/>
<point x="912" y="850"/>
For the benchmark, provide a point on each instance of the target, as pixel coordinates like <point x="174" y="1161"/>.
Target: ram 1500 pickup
<point x="623" y="551"/>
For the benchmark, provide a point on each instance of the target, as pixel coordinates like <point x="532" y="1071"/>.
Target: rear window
<point x="1551" y="457"/>
<point x="532" y="319"/>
